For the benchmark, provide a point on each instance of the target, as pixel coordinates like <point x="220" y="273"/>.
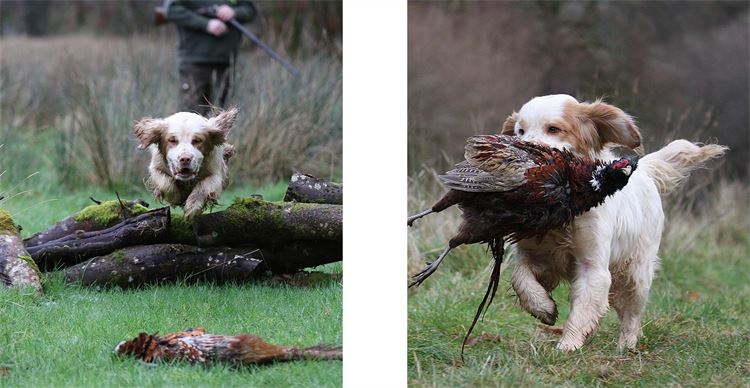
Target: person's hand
<point x="216" y="27"/>
<point x="225" y="13"/>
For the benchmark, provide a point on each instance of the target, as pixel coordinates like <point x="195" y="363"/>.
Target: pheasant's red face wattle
<point x="620" y="163"/>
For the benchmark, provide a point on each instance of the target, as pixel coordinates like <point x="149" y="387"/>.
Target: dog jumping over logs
<point x="189" y="156"/>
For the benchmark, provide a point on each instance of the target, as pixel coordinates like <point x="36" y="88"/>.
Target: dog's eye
<point x="520" y="132"/>
<point x="197" y="141"/>
<point x="172" y="140"/>
<point x="554" y="130"/>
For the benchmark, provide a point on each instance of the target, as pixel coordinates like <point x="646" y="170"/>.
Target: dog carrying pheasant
<point x="195" y="346"/>
<point x="510" y="190"/>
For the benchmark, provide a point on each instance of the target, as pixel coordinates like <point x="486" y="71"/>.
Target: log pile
<point x="125" y="243"/>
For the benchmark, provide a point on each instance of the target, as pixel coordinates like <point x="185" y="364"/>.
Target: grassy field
<point x="695" y="326"/>
<point x="66" y="337"/>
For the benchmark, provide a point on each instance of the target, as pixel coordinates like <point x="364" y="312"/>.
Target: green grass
<point x="66" y="337"/>
<point x="695" y="325"/>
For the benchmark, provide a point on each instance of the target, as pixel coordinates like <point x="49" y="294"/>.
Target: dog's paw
<point x="548" y="315"/>
<point x="568" y="345"/>
<point x="190" y="214"/>
<point x="541" y="308"/>
<point x="193" y="207"/>
<point x="628" y="341"/>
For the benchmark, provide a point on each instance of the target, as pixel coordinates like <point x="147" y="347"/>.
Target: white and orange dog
<point x="609" y="254"/>
<point x="188" y="158"/>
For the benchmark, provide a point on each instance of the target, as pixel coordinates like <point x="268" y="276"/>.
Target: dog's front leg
<point x="163" y="187"/>
<point x="205" y="191"/>
<point x="532" y="295"/>
<point x="588" y="300"/>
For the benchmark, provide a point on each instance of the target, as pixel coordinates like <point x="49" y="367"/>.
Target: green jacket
<point x="195" y="44"/>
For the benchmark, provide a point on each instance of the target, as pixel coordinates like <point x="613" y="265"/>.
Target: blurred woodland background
<point x="681" y="68"/>
<point x="75" y="76"/>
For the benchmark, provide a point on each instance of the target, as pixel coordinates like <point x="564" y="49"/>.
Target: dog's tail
<point x="671" y="166"/>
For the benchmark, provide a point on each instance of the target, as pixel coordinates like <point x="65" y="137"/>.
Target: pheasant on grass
<point x="510" y="190"/>
<point x="195" y="346"/>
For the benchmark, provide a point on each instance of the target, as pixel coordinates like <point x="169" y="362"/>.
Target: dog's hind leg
<point x="630" y="290"/>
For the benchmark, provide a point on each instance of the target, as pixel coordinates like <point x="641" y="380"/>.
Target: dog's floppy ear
<point x="510" y="124"/>
<point x="612" y="124"/>
<point x="148" y="131"/>
<point x="219" y="126"/>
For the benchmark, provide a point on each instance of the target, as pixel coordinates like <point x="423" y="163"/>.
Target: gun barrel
<point x="273" y="54"/>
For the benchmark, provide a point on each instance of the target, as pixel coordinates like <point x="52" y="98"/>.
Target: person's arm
<point x="245" y="11"/>
<point x="183" y="16"/>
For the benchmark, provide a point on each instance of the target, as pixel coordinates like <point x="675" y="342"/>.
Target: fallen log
<point x="147" y="264"/>
<point x="146" y="228"/>
<point x="294" y="256"/>
<point x="309" y="189"/>
<point x="269" y="224"/>
<point x="17" y="269"/>
<point x="99" y="216"/>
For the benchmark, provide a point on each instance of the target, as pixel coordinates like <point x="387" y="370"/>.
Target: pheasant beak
<point x="627" y="170"/>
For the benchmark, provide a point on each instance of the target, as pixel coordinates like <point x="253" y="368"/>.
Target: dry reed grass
<point x="68" y="104"/>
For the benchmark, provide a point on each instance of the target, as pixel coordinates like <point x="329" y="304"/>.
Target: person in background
<point x="207" y="47"/>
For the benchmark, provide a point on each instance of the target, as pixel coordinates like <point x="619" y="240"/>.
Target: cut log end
<point x="309" y="189"/>
<point x="17" y="269"/>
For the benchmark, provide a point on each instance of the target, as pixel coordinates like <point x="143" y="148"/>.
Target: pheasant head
<point x="613" y="176"/>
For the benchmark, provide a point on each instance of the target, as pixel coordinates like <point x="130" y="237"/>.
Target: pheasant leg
<point x="410" y="220"/>
<point x="419" y="277"/>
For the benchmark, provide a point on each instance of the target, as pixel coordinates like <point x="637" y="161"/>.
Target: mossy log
<point x="146" y="228"/>
<point x="95" y="217"/>
<point x="134" y="266"/>
<point x="17" y="269"/>
<point x="137" y="265"/>
<point x="309" y="189"/>
<point x="250" y="220"/>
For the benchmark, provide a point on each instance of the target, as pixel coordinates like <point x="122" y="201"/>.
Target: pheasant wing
<point x="494" y="163"/>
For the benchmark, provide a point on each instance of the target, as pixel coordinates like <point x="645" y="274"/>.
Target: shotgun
<point x="160" y="18"/>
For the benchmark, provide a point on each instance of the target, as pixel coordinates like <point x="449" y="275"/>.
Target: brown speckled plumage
<point x="195" y="346"/>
